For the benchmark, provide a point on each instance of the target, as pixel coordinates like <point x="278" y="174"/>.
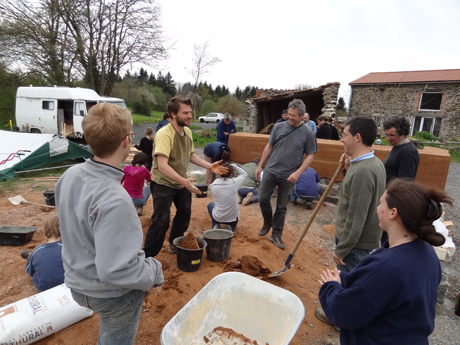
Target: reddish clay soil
<point x="189" y="242"/>
<point x="312" y="257"/>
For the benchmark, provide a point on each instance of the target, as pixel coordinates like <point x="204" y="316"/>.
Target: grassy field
<point x="156" y="116"/>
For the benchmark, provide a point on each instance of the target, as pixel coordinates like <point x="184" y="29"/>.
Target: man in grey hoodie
<point x="104" y="265"/>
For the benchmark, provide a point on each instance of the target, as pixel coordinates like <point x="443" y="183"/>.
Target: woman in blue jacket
<point x="390" y="297"/>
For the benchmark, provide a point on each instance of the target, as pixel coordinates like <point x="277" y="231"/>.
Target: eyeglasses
<point x="346" y="134"/>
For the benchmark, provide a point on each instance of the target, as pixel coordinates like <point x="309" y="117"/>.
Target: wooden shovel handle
<point x="318" y="206"/>
<point x="35" y="203"/>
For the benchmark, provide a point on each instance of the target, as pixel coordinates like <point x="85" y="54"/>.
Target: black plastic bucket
<point x="189" y="260"/>
<point x="219" y="242"/>
<point x="204" y="190"/>
<point x="49" y="197"/>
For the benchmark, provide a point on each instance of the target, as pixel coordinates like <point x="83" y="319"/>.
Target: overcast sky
<point x="280" y="44"/>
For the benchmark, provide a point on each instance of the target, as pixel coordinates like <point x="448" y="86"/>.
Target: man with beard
<point x="173" y="150"/>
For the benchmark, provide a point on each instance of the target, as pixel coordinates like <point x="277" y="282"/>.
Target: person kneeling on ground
<point x="44" y="264"/>
<point x="134" y="180"/>
<point x="224" y="189"/>
<point x="249" y="192"/>
<point x="306" y="188"/>
<point x="390" y="296"/>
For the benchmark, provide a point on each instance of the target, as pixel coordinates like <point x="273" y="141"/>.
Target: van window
<point x="48" y="105"/>
<point x="80" y="108"/>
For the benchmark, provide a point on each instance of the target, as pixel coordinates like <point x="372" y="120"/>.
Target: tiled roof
<point x="443" y="75"/>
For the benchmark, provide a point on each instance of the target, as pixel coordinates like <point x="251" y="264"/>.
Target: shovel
<point x="287" y="264"/>
<point x="19" y="200"/>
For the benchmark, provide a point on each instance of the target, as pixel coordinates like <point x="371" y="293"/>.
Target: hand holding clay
<point x="217" y="169"/>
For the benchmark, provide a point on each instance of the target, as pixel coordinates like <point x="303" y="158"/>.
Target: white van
<point x="56" y="110"/>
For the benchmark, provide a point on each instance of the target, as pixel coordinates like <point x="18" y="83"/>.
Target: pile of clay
<point x="250" y="265"/>
<point x="189" y="242"/>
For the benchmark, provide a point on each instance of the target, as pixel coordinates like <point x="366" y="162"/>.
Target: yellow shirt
<point x="177" y="149"/>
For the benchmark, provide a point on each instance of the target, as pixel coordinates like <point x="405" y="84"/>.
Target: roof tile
<point x="409" y="77"/>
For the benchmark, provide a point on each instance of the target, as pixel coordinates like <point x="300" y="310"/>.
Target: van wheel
<point x="35" y="130"/>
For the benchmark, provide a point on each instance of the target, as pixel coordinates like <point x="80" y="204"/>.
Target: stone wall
<point x="328" y="96"/>
<point x="385" y="100"/>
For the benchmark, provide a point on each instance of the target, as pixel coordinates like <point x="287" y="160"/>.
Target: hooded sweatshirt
<point x="134" y="180"/>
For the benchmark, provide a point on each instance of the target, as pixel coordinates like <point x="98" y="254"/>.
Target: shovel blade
<point x="17" y="200"/>
<point x="280" y="271"/>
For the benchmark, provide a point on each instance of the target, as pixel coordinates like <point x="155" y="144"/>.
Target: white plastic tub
<point x="249" y="306"/>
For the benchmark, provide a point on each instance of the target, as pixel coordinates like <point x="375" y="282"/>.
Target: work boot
<point x="276" y="240"/>
<point x="293" y="201"/>
<point x="140" y="211"/>
<point x="264" y="231"/>
<point x="25" y="254"/>
<point x="309" y="206"/>
<point x="216" y="227"/>
<point x="172" y="249"/>
<point x="240" y="199"/>
<point x="332" y="341"/>
<point x="249" y="198"/>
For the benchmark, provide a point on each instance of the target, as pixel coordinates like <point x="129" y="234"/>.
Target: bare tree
<point x="89" y="39"/>
<point x="202" y="64"/>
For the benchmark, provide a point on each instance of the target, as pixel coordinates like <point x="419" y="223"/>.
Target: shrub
<point x="426" y="135"/>
<point x="141" y="108"/>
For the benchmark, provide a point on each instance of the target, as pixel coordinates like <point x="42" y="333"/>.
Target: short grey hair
<point x="297" y="104"/>
<point x="227" y="116"/>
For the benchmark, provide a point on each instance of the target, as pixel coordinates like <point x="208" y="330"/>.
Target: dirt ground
<point x="312" y="257"/>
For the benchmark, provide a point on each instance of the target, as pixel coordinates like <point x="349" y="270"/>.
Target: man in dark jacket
<point x="166" y="120"/>
<point x="214" y="152"/>
<point x="225" y="128"/>
<point x="324" y="130"/>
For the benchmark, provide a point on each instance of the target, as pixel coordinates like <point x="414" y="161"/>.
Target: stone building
<point x="430" y="100"/>
<point x="267" y="106"/>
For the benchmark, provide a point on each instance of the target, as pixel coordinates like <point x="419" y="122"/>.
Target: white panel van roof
<point x="61" y="93"/>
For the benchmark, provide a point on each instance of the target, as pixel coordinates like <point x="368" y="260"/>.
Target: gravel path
<point x="447" y="331"/>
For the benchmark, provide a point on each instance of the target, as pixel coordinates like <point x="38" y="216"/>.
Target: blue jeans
<point x="244" y="191"/>
<point x="276" y="220"/>
<point x="294" y="195"/>
<point x="215" y="222"/>
<point x="119" y="315"/>
<point x="353" y="258"/>
<point x="163" y="197"/>
<point x="145" y="197"/>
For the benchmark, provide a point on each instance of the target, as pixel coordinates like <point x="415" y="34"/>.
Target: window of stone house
<point x="431" y="125"/>
<point x="430" y="101"/>
<point x="377" y="119"/>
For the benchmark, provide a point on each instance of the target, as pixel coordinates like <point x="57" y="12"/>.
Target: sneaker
<point x="217" y="227"/>
<point x="309" y="206"/>
<point x="276" y="240"/>
<point x="25" y="254"/>
<point x="264" y="231"/>
<point x="240" y="199"/>
<point x="140" y="211"/>
<point x="293" y="202"/>
<point x="321" y="315"/>
<point x="249" y="198"/>
<point x="172" y="249"/>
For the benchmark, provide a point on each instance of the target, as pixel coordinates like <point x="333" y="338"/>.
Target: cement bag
<point x="38" y="316"/>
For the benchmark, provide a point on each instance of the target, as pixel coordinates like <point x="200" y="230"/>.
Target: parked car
<point x="211" y="117"/>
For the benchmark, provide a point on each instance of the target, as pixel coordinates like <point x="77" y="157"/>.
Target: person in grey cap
<point x="225" y="128"/>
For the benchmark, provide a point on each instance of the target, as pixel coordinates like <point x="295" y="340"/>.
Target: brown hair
<point x="139" y="158"/>
<point x="225" y="156"/>
<point x="175" y="102"/>
<point x="149" y="133"/>
<point x="105" y="127"/>
<point x="52" y="227"/>
<point x="323" y="118"/>
<point x="229" y="172"/>
<point x="418" y="207"/>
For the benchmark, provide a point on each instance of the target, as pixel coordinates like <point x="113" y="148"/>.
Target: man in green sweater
<point x="357" y="230"/>
<point x="357" y="225"/>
